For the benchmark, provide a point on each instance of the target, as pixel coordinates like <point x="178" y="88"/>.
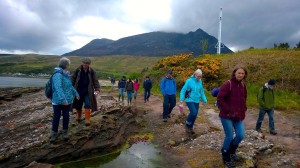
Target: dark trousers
<point x="169" y="104"/>
<point x="60" y="110"/>
<point x="261" y="116"/>
<point x="146" y="94"/>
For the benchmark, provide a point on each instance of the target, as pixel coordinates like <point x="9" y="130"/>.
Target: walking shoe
<point x="53" y="137"/>
<point x="273" y="132"/>
<point x="165" y="120"/>
<point x="169" y="116"/>
<point x="259" y="130"/>
<point x="189" y="130"/>
<point x="65" y="135"/>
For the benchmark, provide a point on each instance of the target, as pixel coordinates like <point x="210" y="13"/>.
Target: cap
<point x="271" y="82"/>
<point x="86" y="60"/>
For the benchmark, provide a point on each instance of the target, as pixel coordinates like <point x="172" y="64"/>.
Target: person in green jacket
<point x="266" y="105"/>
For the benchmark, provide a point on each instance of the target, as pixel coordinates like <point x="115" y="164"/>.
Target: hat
<point x="198" y="72"/>
<point x="169" y="72"/>
<point x="86" y="60"/>
<point x="271" y="82"/>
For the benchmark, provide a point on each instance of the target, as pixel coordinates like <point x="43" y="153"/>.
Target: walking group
<point x="79" y="91"/>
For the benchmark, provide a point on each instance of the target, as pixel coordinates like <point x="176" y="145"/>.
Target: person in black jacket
<point x="147" y="85"/>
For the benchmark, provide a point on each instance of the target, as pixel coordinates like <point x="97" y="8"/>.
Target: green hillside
<point x="105" y="66"/>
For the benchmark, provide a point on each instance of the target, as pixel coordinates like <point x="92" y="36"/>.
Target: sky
<point x="60" y="26"/>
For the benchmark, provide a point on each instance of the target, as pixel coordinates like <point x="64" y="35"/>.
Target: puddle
<point x="140" y="154"/>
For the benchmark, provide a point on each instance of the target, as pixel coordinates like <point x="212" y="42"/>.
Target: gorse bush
<point x="184" y="65"/>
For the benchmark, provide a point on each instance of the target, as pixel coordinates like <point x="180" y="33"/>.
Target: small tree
<point x="204" y="46"/>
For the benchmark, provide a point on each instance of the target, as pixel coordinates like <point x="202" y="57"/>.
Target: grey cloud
<point x="43" y="25"/>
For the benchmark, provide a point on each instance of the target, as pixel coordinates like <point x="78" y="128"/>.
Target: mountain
<point x="151" y="44"/>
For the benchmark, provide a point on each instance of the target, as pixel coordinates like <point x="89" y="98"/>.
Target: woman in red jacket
<point x="232" y="102"/>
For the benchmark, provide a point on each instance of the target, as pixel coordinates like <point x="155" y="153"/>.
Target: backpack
<point x="48" y="87"/>
<point x="215" y="91"/>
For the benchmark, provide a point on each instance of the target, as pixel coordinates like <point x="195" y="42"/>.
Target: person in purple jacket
<point x="232" y="102"/>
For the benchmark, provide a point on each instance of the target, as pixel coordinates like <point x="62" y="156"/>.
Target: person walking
<point x="63" y="94"/>
<point x="168" y="90"/>
<point x="87" y="85"/>
<point x="147" y="85"/>
<point x="266" y="105"/>
<point x="136" y="87"/>
<point x="129" y="90"/>
<point x="112" y="82"/>
<point x="192" y="93"/>
<point x="232" y="104"/>
<point x="121" y="86"/>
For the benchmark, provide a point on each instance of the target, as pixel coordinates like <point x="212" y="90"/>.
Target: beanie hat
<point x="169" y="72"/>
<point x="198" y="72"/>
<point x="271" y="82"/>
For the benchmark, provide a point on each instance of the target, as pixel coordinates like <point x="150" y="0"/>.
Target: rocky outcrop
<point x="25" y="127"/>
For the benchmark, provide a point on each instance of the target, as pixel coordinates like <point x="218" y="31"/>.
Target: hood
<point x="60" y="70"/>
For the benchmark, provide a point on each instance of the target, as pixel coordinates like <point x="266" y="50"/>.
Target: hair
<point x="64" y="62"/>
<point x="198" y="72"/>
<point x="239" y="67"/>
<point x="86" y="60"/>
<point x="136" y="80"/>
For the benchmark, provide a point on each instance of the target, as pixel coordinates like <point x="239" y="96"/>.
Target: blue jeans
<point x="231" y="126"/>
<point x="261" y="116"/>
<point x="129" y="95"/>
<point x="169" y="104"/>
<point x="58" y="111"/>
<point x="146" y="94"/>
<point x="83" y="99"/>
<point x="121" y="91"/>
<point x="191" y="118"/>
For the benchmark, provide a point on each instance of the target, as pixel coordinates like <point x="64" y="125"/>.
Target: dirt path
<point x="202" y="150"/>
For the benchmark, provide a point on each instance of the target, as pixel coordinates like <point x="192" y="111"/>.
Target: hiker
<point x="121" y="86"/>
<point x="147" y="85"/>
<point x="192" y="93"/>
<point x="62" y="97"/>
<point x="129" y="90"/>
<point x="87" y="85"/>
<point x="112" y="82"/>
<point x="168" y="90"/>
<point x="232" y="103"/>
<point x="266" y="105"/>
<point x="136" y="87"/>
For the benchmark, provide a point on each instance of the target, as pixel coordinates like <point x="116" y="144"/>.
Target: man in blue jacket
<point x="168" y="89"/>
<point x="147" y="85"/>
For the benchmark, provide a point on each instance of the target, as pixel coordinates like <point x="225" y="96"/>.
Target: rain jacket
<point x="168" y="86"/>
<point x="265" y="98"/>
<point x="197" y="91"/>
<point x="63" y="91"/>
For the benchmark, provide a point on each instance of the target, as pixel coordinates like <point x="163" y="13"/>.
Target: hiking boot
<point x="53" y="137"/>
<point x="65" y="135"/>
<point x="169" y="116"/>
<point x="226" y="159"/>
<point x="259" y="130"/>
<point x="165" y="120"/>
<point x="189" y="130"/>
<point x="273" y="132"/>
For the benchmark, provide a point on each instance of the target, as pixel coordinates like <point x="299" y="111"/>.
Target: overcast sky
<point x="60" y="26"/>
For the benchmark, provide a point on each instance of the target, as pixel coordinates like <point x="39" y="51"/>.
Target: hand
<point x="78" y="97"/>
<point x="97" y="91"/>
<point x="66" y="103"/>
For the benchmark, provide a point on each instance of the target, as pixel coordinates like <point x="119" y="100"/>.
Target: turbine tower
<point x="219" y="34"/>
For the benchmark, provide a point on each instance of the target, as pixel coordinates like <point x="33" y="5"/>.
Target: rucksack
<point x="215" y="91"/>
<point x="48" y="87"/>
